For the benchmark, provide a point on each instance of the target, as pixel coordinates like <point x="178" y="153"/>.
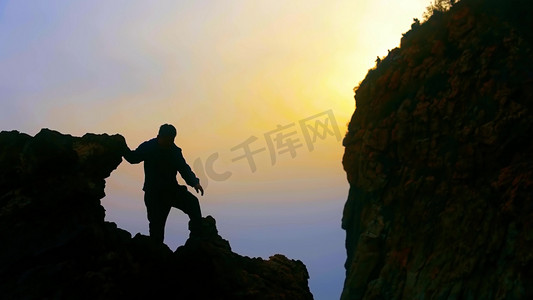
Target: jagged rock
<point x="439" y="158"/>
<point x="56" y="244"/>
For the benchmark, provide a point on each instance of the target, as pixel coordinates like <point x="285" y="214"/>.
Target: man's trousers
<point x="159" y="202"/>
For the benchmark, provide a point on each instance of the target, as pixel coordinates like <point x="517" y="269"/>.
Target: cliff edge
<point x="439" y="157"/>
<point x="56" y="244"/>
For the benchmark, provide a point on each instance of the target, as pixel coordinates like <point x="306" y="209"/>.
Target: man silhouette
<point x="162" y="160"/>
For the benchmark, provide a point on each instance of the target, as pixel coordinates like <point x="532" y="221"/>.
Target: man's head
<point x="166" y="135"/>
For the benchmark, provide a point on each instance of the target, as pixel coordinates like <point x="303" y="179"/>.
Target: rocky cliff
<point x="439" y="157"/>
<point x="55" y="243"/>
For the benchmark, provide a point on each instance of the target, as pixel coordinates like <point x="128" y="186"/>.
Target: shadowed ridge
<point x="438" y="155"/>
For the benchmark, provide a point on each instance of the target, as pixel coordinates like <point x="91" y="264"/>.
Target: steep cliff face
<point x="439" y="157"/>
<point x="56" y="244"/>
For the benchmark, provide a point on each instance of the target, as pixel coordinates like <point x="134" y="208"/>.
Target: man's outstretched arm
<point x="135" y="156"/>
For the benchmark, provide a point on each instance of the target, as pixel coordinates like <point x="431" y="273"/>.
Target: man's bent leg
<point x="187" y="202"/>
<point x="157" y="209"/>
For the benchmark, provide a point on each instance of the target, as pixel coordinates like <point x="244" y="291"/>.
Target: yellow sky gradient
<point x="257" y="66"/>
<point x="219" y="72"/>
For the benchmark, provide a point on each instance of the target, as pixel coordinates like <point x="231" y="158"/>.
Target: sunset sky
<point x="273" y="76"/>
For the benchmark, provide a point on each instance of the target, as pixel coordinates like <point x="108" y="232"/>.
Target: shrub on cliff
<point x="438" y="6"/>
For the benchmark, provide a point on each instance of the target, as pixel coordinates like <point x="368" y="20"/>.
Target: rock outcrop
<point x="55" y="243"/>
<point x="439" y="157"/>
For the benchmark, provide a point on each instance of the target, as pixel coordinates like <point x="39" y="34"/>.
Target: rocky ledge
<point x="57" y="245"/>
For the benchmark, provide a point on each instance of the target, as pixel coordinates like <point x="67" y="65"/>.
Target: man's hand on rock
<point x="198" y="187"/>
<point x="122" y="144"/>
<point x="125" y="150"/>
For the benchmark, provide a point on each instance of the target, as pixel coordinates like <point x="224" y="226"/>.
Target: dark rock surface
<point x="439" y="157"/>
<point x="55" y="243"/>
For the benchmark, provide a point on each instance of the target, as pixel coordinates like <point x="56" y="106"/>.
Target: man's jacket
<point x="161" y="166"/>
